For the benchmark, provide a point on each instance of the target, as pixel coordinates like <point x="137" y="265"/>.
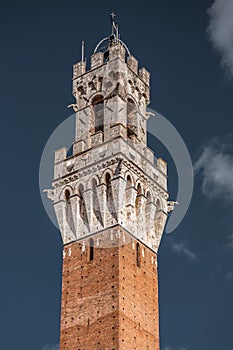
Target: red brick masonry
<point x="109" y="303"/>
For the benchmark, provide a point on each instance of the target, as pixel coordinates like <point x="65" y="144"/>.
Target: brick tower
<point x="111" y="202"/>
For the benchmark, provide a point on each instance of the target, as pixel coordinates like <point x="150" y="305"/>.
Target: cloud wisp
<point x="51" y="347"/>
<point x="230" y="242"/>
<point x="215" y="165"/>
<point x="220" y="31"/>
<point x="181" y="249"/>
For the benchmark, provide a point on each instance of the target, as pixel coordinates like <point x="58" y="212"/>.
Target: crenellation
<point x="162" y="165"/>
<point x="97" y="138"/>
<point x="79" y="69"/>
<point x="60" y="154"/>
<point x="97" y="59"/>
<point x="116" y="51"/>
<point x="144" y="75"/>
<point x="132" y="63"/>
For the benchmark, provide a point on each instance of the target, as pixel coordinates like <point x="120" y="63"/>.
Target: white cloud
<point x="180" y="248"/>
<point x="215" y="164"/>
<point x="229" y="275"/>
<point x="220" y="30"/>
<point x="51" y="347"/>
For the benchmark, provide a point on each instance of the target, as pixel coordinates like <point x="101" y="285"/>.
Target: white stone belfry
<point x="112" y="177"/>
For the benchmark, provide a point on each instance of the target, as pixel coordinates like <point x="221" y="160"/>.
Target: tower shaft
<point x="109" y="295"/>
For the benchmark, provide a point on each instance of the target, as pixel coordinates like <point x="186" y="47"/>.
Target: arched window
<point x="158" y="206"/>
<point x="157" y="217"/>
<point x="131" y="119"/>
<point x="148" y="208"/>
<point x="82" y="206"/>
<point x="67" y="196"/>
<point x="148" y="197"/>
<point x="138" y="198"/>
<point x="98" y="110"/>
<point x="128" y="189"/>
<point x="129" y="181"/>
<point x="96" y="209"/>
<point x="138" y="257"/>
<point x="91" y="247"/>
<point x="108" y="185"/>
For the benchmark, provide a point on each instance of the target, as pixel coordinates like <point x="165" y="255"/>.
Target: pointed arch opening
<point x="128" y="190"/>
<point x="98" y="113"/>
<point x="128" y="196"/>
<point x="67" y="196"/>
<point x="82" y="206"/>
<point x="109" y="198"/>
<point x="108" y="185"/>
<point x="70" y="230"/>
<point x="131" y="119"/>
<point x="96" y="208"/>
<point x="138" y="199"/>
<point x="148" y="208"/>
<point x="157" y="215"/>
<point x="129" y="181"/>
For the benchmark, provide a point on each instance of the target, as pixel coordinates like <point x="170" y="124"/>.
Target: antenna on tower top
<point x="82" y="50"/>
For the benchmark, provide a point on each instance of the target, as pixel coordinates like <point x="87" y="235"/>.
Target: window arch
<point x="98" y="111"/>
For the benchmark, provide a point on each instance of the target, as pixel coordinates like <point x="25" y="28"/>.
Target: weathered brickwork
<point x="109" y="302"/>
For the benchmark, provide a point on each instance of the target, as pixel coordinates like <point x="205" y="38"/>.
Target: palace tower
<point x="111" y="202"/>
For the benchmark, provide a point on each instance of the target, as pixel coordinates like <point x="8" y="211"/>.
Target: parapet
<point x="79" y="69"/>
<point x="97" y="59"/>
<point x="116" y="51"/>
<point x="132" y="64"/>
<point x="60" y="154"/>
<point x="162" y="165"/>
<point x="144" y="75"/>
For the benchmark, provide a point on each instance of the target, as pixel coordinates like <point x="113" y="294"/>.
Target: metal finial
<point x="112" y="16"/>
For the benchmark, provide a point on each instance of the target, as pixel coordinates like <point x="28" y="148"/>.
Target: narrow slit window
<point x="91" y="243"/>
<point x="138" y="255"/>
<point x="98" y="109"/>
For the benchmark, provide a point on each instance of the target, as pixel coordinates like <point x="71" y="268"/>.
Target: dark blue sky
<point x="39" y="42"/>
